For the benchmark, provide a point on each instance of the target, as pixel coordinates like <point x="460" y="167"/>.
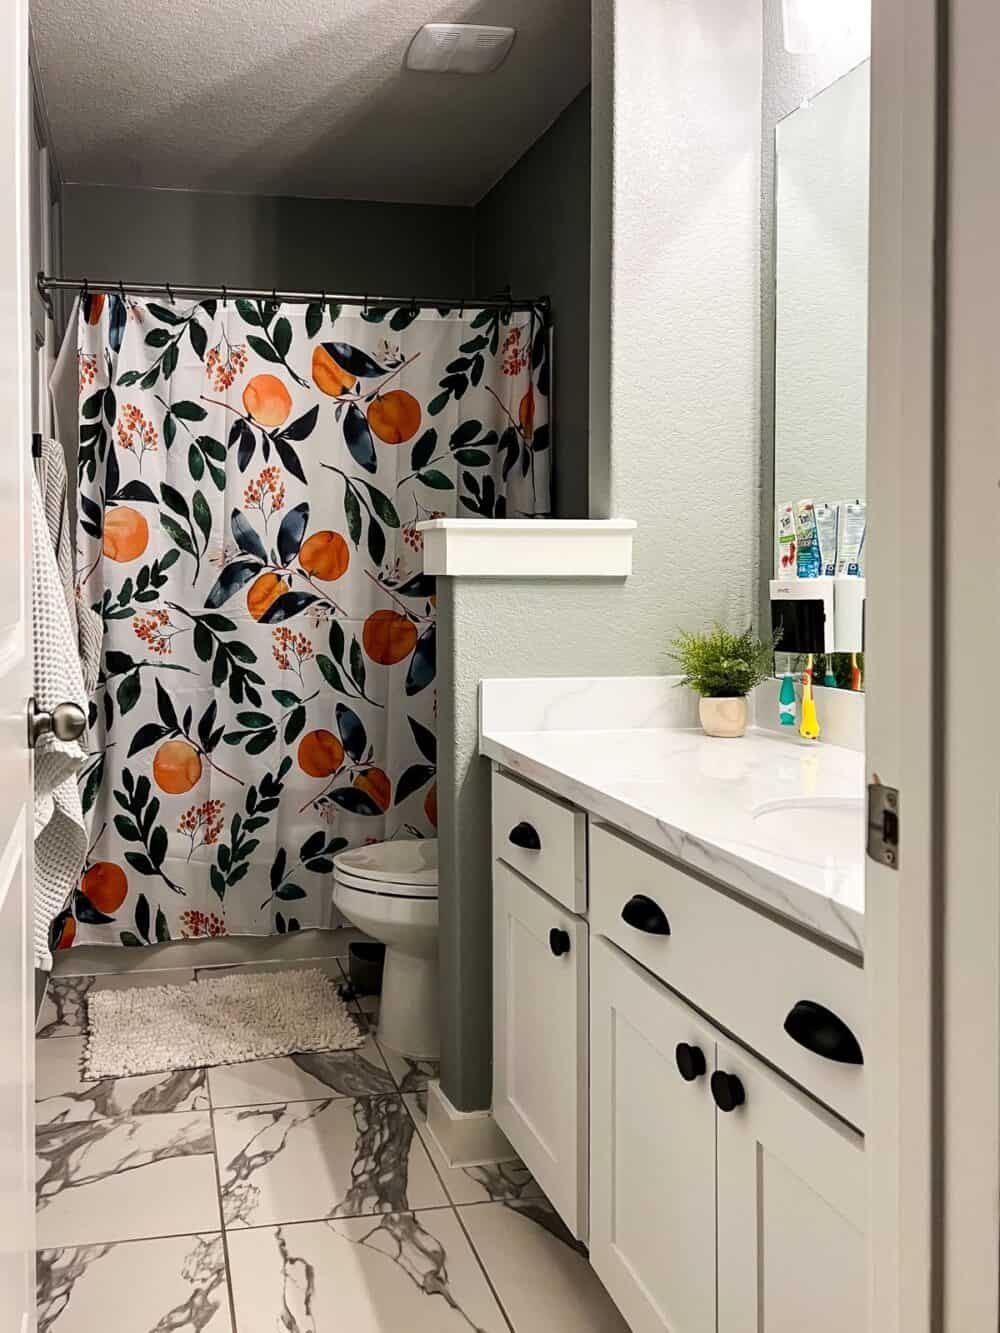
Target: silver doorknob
<point x="67" y="722"/>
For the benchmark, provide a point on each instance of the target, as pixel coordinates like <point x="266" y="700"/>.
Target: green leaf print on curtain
<point x="251" y="478"/>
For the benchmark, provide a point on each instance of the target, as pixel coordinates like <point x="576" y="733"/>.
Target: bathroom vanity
<point x="679" y="1001"/>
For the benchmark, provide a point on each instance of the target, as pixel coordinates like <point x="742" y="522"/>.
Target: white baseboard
<point x="465" y="1138"/>
<point x="224" y="951"/>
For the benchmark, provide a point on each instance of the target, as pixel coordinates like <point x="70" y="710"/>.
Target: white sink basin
<point x="825" y="826"/>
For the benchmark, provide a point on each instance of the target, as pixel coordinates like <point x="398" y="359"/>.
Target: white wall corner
<point x="465" y="1138"/>
<point x="528" y="548"/>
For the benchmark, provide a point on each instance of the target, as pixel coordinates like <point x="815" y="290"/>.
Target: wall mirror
<point x="820" y="257"/>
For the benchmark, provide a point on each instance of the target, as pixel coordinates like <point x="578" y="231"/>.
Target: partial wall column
<point x="531" y="603"/>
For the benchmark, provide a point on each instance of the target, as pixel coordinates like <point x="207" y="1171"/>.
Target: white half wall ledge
<point x="528" y="547"/>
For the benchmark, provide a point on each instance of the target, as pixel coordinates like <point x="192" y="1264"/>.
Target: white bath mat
<point x="216" y="1021"/>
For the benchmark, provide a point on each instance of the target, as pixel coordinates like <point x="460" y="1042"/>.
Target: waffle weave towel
<point x="60" y="833"/>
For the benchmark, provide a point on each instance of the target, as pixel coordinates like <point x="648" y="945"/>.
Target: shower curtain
<point x="251" y="477"/>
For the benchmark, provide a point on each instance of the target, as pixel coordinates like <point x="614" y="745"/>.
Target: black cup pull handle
<point x="727" y="1090"/>
<point x="643" y="914"/>
<point x="559" y="941"/>
<point x="819" y="1030"/>
<point x="690" y="1061"/>
<point x="526" y="836"/>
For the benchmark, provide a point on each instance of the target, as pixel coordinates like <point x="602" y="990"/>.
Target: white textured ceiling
<point x="302" y="97"/>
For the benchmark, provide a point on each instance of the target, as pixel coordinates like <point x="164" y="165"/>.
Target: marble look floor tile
<point x="540" y="1273"/>
<point x="494" y="1182"/>
<point x="63" y="1011"/>
<point x="398" y="1273"/>
<point x="125" y="1179"/>
<point x="300" y="1161"/>
<point x="366" y="1006"/>
<point x="62" y="1094"/>
<point x="175" y="1283"/>
<point x="295" y="1078"/>
<point x="410" y="1075"/>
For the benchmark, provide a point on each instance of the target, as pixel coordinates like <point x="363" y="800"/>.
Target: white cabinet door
<point x="792" y="1200"/>
<point x="652" y="1217"/>
<point x="540" y="1039"/>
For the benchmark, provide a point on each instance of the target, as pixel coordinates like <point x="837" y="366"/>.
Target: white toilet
<point x="390" y="891"/>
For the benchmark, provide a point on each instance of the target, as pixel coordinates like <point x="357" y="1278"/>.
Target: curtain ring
<point x="169" y="293"/>
<point x="364" y="308"/>
<point x="121" y="290"/>
<point x="225" y="298"/>
<point x="461" y="309"/>
<point x="85" y="289"/>
<point x="414" y="308"/>
<point x="274" y="296"/>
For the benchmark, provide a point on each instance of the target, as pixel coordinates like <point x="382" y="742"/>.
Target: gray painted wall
<point x="187" y="236"/>
<point x="674" y="372"/>
<point x="533" y="231"/>
<point x="492" y="628"/>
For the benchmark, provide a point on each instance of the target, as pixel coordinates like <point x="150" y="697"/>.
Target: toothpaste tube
<point x="785" y="554"/>
<point x="807" y="559"/>
<point x="853" y="522"/>
<point x="827" y="517"/>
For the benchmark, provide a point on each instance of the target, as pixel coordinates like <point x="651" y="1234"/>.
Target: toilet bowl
<point x="390" y="891"/>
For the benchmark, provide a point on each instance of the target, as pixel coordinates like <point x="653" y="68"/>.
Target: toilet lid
<point x="411" y="861"/>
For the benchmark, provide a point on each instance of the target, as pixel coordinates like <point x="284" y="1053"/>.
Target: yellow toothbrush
<point x="809" y="728"/>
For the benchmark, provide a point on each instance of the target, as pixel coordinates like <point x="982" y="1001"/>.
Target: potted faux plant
<point x="723" y="668"/>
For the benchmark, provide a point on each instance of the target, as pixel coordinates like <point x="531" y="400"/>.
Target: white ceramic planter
<point x="723" y="717"/>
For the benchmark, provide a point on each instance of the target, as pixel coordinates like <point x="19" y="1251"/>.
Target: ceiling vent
<point x="459" y="48"/>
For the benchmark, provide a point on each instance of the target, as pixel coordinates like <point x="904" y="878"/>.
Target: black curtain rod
<point x="47" y="284"/>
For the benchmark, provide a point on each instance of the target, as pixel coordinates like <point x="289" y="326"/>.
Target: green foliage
<point x="718" y="664"/>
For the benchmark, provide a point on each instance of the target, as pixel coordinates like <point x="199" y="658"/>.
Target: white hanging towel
<point x="64" y="401"/>
<point x="88" y="627"/>
<point x="60" y="832"/>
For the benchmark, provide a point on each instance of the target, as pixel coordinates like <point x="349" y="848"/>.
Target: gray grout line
<point x="131" y="1240"/>
<point x="222" y="1221"/>
<point x="458" y="1218"/>
<point x="482" y="1264"/>
<point x="345" y="1217"/>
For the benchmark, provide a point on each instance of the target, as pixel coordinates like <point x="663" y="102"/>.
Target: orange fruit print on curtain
<point x="251" y="480"/>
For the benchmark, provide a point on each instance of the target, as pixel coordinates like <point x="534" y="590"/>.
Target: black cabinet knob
<point x="727" y="1090"/>
<point x="643" y="914"/>
<point x="559" y="942"/>
<point x="819" y="1030"/>
<point x="690" y="1061"/>
<point x="524" y="835"/>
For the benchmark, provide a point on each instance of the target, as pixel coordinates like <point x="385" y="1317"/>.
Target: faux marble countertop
<point x="697" y="798"/>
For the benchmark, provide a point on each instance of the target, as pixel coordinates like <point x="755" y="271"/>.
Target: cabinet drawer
<point x="542" y="839"/>
<point x="540" y="1079"/>
<point x="741" y="968"/>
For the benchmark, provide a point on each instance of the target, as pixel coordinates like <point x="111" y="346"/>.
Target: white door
<point x="16" y="969"/>
<point x="792" y="1202"/>
<point x="652" y="1213"/>
<point x="540" y="1039"/>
